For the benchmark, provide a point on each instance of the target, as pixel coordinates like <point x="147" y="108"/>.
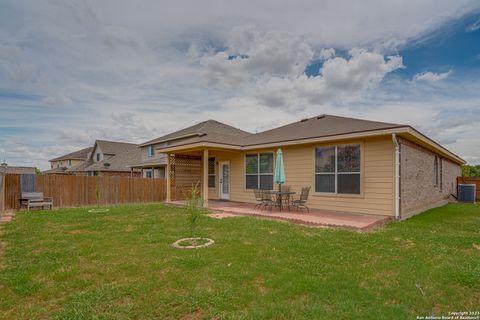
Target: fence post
<point x="2" y="193"/>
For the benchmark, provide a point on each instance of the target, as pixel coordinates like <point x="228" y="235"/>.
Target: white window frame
<point x="214" y="172"/>
<point x="335" y="172"/>
<point x="150" y="151"/>
<point x="258" y="174"/>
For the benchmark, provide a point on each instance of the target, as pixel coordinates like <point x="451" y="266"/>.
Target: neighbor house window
<point x="337" y="169"/>
<point x="69" y="163"/>
<point x="148" y="173"/>
<point x="98" y="156"/>
<point x="211" y="172"/>
<point x="259" y="171"/>
<point x="150" y="151"/>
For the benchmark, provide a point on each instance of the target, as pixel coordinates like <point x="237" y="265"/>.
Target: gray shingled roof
<point x="117" y="154"/>
<point x="161" y="160"/>
<point x="61" y="170"/>
<point x="315" y="127"/>
<point x="76" y="155"/>
<point x="211" y="128"/>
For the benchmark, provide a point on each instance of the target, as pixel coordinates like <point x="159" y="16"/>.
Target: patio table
<point x="280" y="195"/>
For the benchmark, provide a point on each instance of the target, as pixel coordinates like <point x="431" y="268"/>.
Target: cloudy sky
<point x="75" y="71"/>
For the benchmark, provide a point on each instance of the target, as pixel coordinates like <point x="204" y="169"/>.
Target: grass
<point x="71" y="264"/>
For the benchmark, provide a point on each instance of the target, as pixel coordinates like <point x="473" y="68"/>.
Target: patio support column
<point x="167" y="176"/>
<point x="205" y="178"/>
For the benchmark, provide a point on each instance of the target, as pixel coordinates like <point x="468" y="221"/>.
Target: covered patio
<point x="209" y="169"/>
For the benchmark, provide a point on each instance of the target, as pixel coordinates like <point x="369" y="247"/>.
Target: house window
<point x="441" y="174"/>
<point x="435" y="171"/>
<point x="211" y="172"/>
<point x="98" y="156"/>
<point x="148" y="173"/>
<point x="259" y="171"/>
<point x="150" y="151"/>
<point x="337" y="169"/>
<point x="69" y="163"/>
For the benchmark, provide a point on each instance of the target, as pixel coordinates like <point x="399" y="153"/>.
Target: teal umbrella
<point x="279" y="170"/>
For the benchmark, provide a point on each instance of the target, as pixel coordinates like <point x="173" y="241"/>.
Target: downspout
<point x="397" y="176"/>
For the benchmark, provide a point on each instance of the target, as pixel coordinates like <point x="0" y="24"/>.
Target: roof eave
<point x="148" y="143"/>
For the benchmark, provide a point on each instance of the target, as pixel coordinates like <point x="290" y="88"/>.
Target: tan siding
<point x="377" y="177"/>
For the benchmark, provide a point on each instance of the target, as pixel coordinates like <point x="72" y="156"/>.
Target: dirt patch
<point x="192" y="316"/>
<point x="38" y="250"/>
<point x="78" y="232"/>
<point x="259" y="282"/>
<point x="129" y="228"/>
<point x="222" y="215"/>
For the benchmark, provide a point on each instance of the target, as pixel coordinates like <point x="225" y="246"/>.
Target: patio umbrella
<point x="279" y="170"/>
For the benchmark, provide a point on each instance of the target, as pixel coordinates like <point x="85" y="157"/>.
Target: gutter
<point x="397" y="176"/>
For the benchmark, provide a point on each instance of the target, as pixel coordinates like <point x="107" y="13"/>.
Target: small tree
<point x="194" y="200"/>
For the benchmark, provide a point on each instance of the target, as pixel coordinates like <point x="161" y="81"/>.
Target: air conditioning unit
<point x="466" y="193"/>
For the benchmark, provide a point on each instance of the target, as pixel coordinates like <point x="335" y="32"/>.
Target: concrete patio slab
<point x="319" y="218"/>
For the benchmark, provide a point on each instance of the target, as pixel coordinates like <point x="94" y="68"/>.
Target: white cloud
<point x="132" y="71"/>
<point x="429" y="76"/>
<point x="340" y="79"/>
<point x="326" y="54"/>
<point x="474" y="26"/>
<point x="253" y="54"/>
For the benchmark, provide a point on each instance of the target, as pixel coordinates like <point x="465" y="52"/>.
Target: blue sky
<point x="75" y="71"/>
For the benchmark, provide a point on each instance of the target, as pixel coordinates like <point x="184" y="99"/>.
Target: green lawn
<point x="71" y="264"/>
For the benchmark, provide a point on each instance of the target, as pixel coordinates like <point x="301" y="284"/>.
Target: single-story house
<point x="110" y="158"/>
<point x="59" y="165"/>
<point x="351" y="165"/>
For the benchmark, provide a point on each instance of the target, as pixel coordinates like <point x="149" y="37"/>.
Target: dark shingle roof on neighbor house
<point x="319" y="126"/>
<point x="60" y="170"/>
<point x="76" y="155"/>
<point x="117" y="156"/>
<point x="159" y="160"/>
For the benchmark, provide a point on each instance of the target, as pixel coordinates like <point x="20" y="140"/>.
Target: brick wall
<point x="419" y="191"/>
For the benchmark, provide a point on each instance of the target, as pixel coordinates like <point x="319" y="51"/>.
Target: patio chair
<point x="267" y="199"/>
<point x="300" y="204"/>
<point x="258" y="198"/>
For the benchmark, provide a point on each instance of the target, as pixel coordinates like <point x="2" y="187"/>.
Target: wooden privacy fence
<point x="79" y="191"/>
<point x="471" y="180"/>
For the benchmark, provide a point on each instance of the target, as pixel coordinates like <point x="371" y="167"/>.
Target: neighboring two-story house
<point x="72" y="160"/>
<point x="110" y="158"/>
